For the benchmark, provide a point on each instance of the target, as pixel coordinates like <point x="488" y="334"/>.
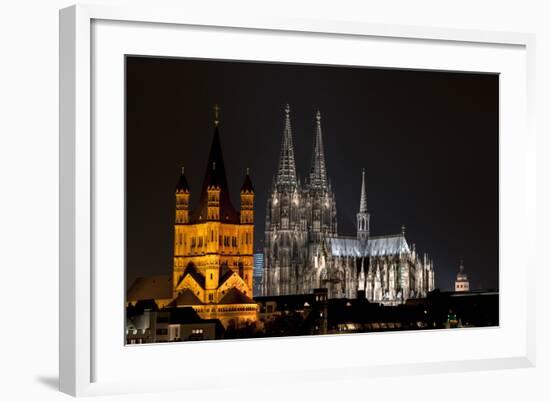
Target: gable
<point x="189" y="282"/>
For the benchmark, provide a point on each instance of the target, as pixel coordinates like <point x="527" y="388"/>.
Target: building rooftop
<point x="182" y="185"/>
<point x="375" y="246"/>
<point x="186" y="297"/>
<point x="234" y="296"/>
<point x="155" y="287"/>
<point x="215" y="176"/>
<point x="247" y="184"/>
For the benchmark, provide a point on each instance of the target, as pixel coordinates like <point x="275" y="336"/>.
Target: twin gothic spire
<point x="286" y="174"/>
<point x="318" y="172"/>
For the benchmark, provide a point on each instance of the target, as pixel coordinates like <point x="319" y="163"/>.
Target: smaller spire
<point x="403" y="230"/>
<point x="363" y="204"/>
<point x="318" y="116"/>
<point x="247" y="171"/>
<point x="182" y="185"/>
<point x="287" y="109"/>
<point x="362" y="276"/>
<point x="213" y="165"/>
<point x="247" y="183"/>
<point x="216" y="115"/>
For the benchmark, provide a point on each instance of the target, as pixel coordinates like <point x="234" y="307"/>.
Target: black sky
<point x="428" y="141"/>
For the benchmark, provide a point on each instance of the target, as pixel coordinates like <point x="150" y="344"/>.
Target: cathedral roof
<point x="156" y="287"/>
<point x="186" y="297"/>
<point x="375" y="246"/>
<point x="215" y="176"/>
<point x="234" y="296"/>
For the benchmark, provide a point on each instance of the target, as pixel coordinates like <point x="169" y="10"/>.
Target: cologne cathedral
<point x="303" y="250"/>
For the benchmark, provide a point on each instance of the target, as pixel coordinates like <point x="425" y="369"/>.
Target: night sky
<point x="428" y="141"/>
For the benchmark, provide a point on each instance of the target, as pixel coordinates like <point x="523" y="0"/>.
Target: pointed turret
<point x="363" y="217"/>
<point x="247" y="200"/>
<point x="318" y="173"/>
<point x="286" y="174"/>
<point x="363" y="203"/>
<point x="362" y="276"/>
<point x="182" y="199"/>
<point x="182" y="186"/>
<point x="247" y="219"/>
<point x="247" y="183"/>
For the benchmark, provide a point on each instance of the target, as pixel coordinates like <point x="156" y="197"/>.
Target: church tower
<point x="285" y="233"/>
<point x="213" y="245"/>
<point x="182" y="213"/>
<point x="320" y="200"/>
<point x="247" y="229"/>
<point x="363" y="217"/>
<point x="462" y="284"/>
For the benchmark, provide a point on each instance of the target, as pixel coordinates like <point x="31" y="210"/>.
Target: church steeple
<point x="462" y="283"/>
<point x="363" y="217"/>
<point x="215" y="202"/>
<point x="318" y="173"/>
<point x="286" y="174"/>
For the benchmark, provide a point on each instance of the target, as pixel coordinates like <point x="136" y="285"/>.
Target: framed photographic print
<point x="266" y="189"/>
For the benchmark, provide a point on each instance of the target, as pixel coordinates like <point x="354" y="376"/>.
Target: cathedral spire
<point x="363" y="204"/>
<point x="363" y="217"/>
<point x="286" y="175"/>
<point x="318" y="173"/>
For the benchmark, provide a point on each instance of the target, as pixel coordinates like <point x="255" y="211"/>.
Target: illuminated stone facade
<point x="213" y="246"/>
<point x="303" y="250"/>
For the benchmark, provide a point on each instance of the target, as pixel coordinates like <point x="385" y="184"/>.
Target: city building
<point x="303" y="250"/>
<point x="462" y="283"/>
<point x="213" y="249"/>
<point x="258" y="273"/>
<point x="145" y="323"/>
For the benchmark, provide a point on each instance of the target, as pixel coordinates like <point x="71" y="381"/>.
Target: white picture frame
<point x="81" y="346"/>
